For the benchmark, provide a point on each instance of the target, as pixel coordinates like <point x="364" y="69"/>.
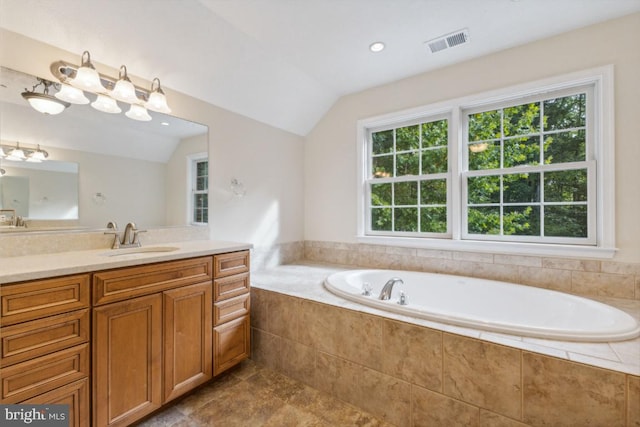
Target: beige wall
<point x="268" y="160"/>
<point x="330" y="149"/>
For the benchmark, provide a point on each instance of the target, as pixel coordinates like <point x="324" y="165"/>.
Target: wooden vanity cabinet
<point x="231" y="328"/>
<point x="44" y="344"/>
<point x="152" y="338"/>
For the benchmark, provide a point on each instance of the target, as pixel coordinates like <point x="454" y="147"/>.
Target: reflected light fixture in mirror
<point x="124" y="90"/>
<point x="106" y="105"/>
<point x="72" y="95"/>
<point x="19" y="154"/>
<point x="43" y="102"/>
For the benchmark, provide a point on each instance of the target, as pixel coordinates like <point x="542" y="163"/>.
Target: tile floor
<point x="251" y="395"/>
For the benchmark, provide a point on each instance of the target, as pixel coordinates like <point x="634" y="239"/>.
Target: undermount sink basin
<point x="140" y="250"/>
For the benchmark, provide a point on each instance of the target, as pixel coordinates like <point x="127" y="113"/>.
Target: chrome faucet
<point x="385" y="293"/>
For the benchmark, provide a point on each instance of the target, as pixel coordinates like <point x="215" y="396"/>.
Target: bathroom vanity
<point x="115" y="344"/>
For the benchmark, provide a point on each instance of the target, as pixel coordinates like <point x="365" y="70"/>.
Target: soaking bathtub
<point x="488" y="305"/>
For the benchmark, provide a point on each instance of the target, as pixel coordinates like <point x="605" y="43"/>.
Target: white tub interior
<point x="490" y="305"/>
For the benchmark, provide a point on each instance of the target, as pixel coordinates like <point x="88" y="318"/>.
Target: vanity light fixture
<point x="43" y="102"/>
<point x="19" y="154"/>
<point x="37" y="156"/>
<point x="108" y="89"/>
<point x="157" y="100"/>
<point x="124" y="90"/>
<point x="87" y="78"/>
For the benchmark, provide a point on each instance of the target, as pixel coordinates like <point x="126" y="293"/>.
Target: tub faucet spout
<point x="385" y="293"/>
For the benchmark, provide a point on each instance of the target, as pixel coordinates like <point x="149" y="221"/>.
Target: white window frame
<point x="603" y="149"/>
<point x="192" y="170"/>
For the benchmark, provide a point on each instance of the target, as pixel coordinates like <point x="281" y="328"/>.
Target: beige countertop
<point x="30" y="267"/>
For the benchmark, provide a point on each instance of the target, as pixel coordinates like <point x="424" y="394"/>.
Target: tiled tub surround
<point x="587" y="277"/>
<point x="416" y="372"/>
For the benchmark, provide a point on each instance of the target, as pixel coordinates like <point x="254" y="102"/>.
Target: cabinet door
<point x="187" y="338"/>
<point x="232" y="344"/>
<point x="75" y="395"/>
<point x="127" y="360"/>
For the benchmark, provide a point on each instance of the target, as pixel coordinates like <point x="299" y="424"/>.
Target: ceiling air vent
<point x="449" y="40"/>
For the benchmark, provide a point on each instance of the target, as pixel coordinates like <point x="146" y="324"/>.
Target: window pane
<point x="521" y="188"/>
<point x="381" y="219"/>
<point x="485" y="155"/>
<point x="564" y="113"/>
<point x="406" y="219"/>
<point x="483" y="126"/>
<point x="565" y="147"/>
<point x="381" y="194"/>
<point x="433" y="192"/>
<point x="408" y="164"/>
<point x="521" y="220"/>
<point x="435" y="134"/>
<point x="382" y="142"/>
<point x="522" y="119"/>
<point x="201" y="208"/>
<point x="382" y="166"/>
<point x="435" y="161"/>
<point x="565" y="186"/>
<point x="406" y="193"/>
<point x="407" y="138"/>
<point x="521" y="151"/>
<point x="484" y="220"/>
<point x="565" y="221"/>
<point x="433" y="220"/>
<point x="484" y="189"/>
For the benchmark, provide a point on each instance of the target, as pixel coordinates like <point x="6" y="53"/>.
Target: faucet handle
<point x="366" y="289"/>
<point x="402" y="300"/>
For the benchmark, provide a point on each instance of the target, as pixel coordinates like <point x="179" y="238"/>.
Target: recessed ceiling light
<point x="376" y="47"/>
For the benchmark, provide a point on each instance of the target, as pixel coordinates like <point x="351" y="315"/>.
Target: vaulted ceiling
<point x="285" y="62"/>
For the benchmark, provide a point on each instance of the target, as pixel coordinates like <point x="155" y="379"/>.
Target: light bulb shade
<point x="157" y="100"/>
<point x="88" y="79"/>
<point x="125" y="91"/>
<point x="45" y="103"/>
<point x="16" y="155"/>
<point x="72" y="95"/>
<point x="37" y="156"/>
<point x="106" y="105"/>
<point x="138" y="112"/>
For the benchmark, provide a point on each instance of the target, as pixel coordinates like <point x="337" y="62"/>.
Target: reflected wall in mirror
<point x="126" y="170"/>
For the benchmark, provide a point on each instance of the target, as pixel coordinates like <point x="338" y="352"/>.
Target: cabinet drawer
<point x="43" y="374"/>
<point x="230" y="309"/>
<point x="39" y="337"/>
<point x="230" y="287"/>
<point x="75" y="395"/>
<point x="231" y="343"/>
<point x="125" y="283"/>
<point x="32" y="300"/>
<point x="230" y="263"/>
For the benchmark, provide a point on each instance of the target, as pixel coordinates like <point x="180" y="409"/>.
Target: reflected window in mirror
<point x="200" y="189"/>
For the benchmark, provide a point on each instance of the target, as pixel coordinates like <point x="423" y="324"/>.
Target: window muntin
<point x="407" y="183"/>
<point x="528" y="171"/>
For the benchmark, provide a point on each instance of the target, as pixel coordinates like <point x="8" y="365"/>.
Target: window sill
<point x="512" y="248"/>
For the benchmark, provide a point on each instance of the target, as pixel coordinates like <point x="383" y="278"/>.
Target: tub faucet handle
<point x="366" y="289"/>
<point x="402" y="300"/>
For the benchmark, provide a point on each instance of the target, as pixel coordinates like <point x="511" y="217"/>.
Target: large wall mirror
<point x="100" y="167"/>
